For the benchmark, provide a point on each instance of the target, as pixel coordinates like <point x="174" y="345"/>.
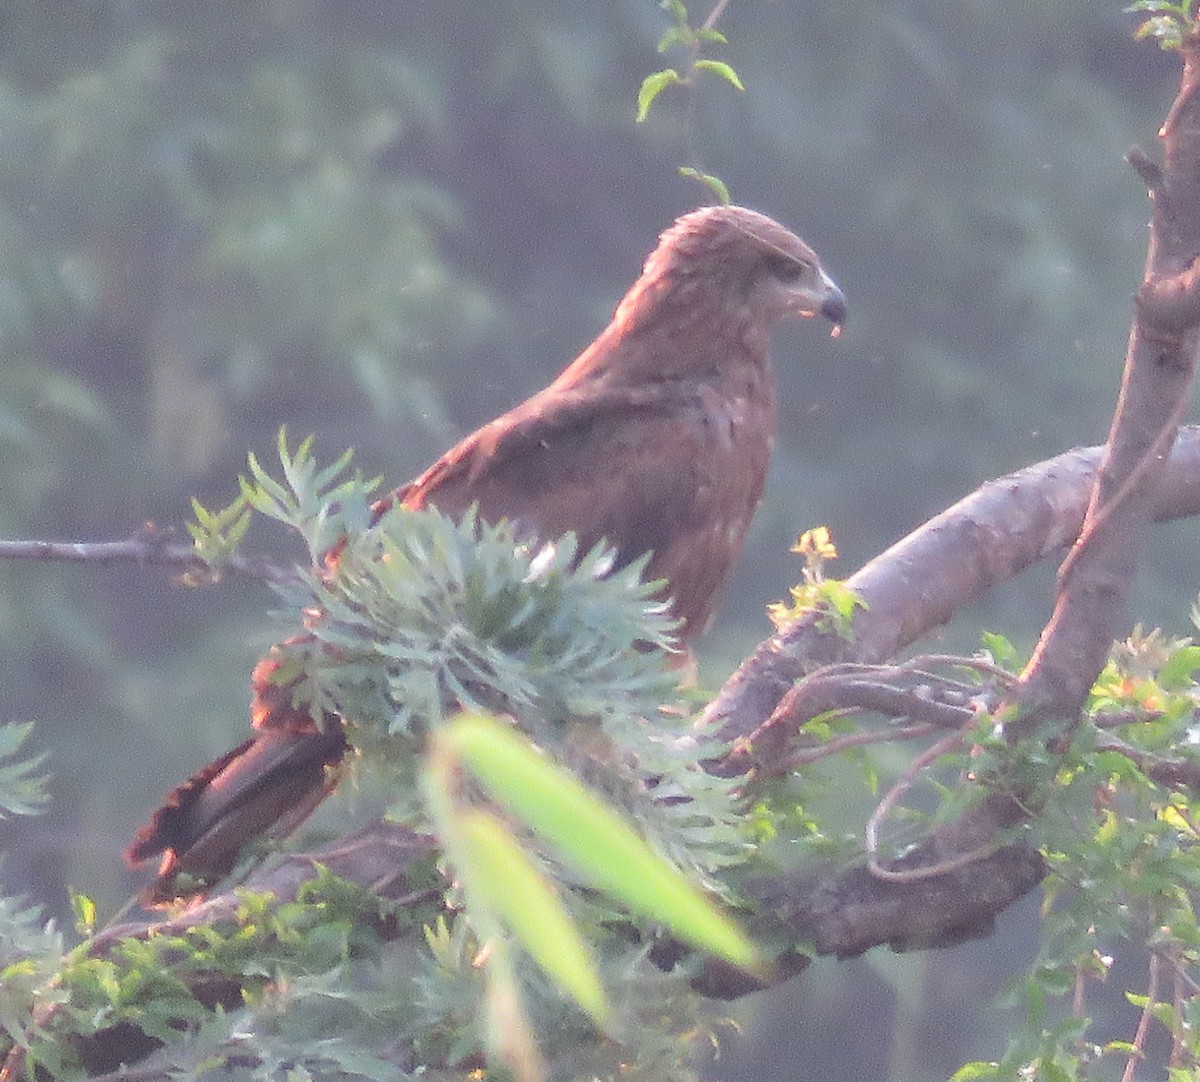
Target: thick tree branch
<point x="1094" y="583"/>
<point x="916" y="586"/>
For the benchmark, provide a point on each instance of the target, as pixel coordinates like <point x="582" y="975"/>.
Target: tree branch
<point x="1094" y="583"/>
<point x="149" y="547"/>
<point x="1003" y="528"/>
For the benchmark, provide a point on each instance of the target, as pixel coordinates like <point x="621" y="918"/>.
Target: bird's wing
<point x="667" y="469"/>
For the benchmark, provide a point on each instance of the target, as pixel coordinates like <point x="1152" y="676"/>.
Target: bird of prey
<point x="655" y="439"/>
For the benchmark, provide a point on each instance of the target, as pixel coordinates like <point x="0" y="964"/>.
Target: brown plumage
<point x="655" y="439"/>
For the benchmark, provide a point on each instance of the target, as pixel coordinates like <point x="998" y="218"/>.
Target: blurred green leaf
<point x="499" y="875"/>
<point x="22" y="785"/>
<point x="591" y="838"/>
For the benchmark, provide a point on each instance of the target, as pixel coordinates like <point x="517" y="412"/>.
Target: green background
<point x="382" y="223"/>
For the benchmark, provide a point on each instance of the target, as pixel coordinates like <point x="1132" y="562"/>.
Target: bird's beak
<point x="824" y="298"/>
<point x="833" y="307"/>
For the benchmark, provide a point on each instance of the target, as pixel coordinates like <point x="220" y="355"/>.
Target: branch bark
<point x="1094" y="583"/>
<point x="916" y="586"/>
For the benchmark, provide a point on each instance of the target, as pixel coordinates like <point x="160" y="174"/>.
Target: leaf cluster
<point x="830" y="598"/>
<point x="1122" y="839"/>
<point x="412" y="618"/>
<point x="270" y="953"/>
<point x="1169" y="22"/>
<point x="22" y="785"/>
<point x="693" y="40"/>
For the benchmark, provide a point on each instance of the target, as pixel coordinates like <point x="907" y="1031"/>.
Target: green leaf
<point x="677" y="10"/>
<point x="719" y="67"/>
<point x="217" y="534"/>
<point x="974" y="1072"/>
<point x="85" y="914"/>
<point x="677" y="35"/>
<point x="22" y="786"/>
<point x="1002" y="652"/>
<point x="651" y="87"/>
<point x="498" y="874"/>
<point x="1178" y="669"/>
<point x="591" y="838"/>
<point x="715" y="184"/>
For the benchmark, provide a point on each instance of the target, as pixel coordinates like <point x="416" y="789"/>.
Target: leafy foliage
<point x="1119" y="831"/>
<point x="835" y="602"/>
<point x="410" y="617"/>
<point x="693" y="40"/>
<point x="289" y="961"/>
<point x="1168" y="22"/>
<point x="22" y="787"/>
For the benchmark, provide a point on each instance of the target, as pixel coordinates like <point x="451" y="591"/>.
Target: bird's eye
<point x="786" y="269"/>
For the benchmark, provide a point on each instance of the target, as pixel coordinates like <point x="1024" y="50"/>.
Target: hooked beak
<point x="833" y="307"/>
<point x="822" y="298"/>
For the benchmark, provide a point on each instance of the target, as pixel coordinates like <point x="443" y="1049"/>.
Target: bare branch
<point x="1091" y="607"/>
<point x="149" y="547"/>
<point x="916" y="586"/>
<point x="1170" y="303"/>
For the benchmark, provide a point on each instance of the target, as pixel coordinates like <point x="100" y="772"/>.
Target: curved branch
<point x="916" y="586"/>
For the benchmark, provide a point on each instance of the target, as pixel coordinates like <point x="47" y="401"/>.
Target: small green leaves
<point x="590" y="838"/>
<point x="217" y="534"/>
<point x="1176" y="672"/>
<point x="714" y="184"/>
<point x="719" y="67"/>
<point x="833" y="602"/>
<point x="651" y="87"/>
<point x="85" y="914"/>
<point x="682" y="35"/>
<point x="22" y="786"/>
<point x="322" y="505"/>
<point x="1170" y="22"/>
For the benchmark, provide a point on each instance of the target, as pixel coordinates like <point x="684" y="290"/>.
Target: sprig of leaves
<point x="833" y="601"/>
<point x="22" y="784"/>
<point x="322" y="505"/>
<point x="693" y="40"/>
<point x="1169" y="22"/>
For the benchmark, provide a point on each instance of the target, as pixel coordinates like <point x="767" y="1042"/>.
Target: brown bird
<point x="655" y="439"/>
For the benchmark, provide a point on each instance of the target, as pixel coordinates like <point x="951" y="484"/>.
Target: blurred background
<point x="384" y="222"/>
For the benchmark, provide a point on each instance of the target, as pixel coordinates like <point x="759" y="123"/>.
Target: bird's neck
<point x="668" y="329"/>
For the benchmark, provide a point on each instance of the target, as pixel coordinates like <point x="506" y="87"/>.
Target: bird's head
<point x="741" y="258"/>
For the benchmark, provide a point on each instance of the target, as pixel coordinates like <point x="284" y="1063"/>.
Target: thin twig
<point x="148" y="548"/>
<point x="1174" y="773"/>
<point x="903" y="784"/>
<point x="1094" y="521"/>
<point x="1179" y="1048"/>
<point x="854" y="740"/>
<point x="958" y="661"/>
<point x="1139" y="1038"/>
<point x="715" y="14"/>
